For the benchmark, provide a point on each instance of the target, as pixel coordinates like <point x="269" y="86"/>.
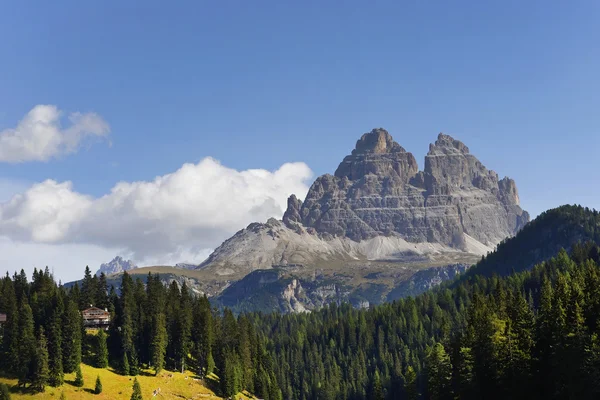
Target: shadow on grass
<point x="209" y="382"/>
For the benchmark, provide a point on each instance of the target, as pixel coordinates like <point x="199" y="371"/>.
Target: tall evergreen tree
<point x="72" y="328"/>
<point x="27" y="343"/>
<point x="159" y="343"/>
<point x="101" y="350"/>
<point x="41" y="372"/>
<point x="55" y="356"/>
<point x="439" y="373"/>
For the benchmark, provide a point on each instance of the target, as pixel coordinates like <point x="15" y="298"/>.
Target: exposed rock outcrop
<point x="378" y="190"/>
<point x="116" y="265"/>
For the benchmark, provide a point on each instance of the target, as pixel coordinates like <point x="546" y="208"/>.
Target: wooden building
<point x="2" y="318"/>
<point x="95" y="317"/>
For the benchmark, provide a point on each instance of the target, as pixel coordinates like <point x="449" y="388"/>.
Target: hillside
<point x="173" y="386"/>
<point x="528" y="335"/>
<point x="542" y="238"/>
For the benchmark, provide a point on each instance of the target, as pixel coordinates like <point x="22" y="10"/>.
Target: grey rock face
<point x="378" y="190"/>
<point x="116" y="265"/>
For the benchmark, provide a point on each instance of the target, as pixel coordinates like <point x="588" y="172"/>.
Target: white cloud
<point x="40" y="136"/>
<point x="174" y="218"/>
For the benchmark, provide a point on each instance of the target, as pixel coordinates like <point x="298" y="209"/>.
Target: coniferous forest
<point x="526" y="333"/>
<point x="152" y="327"/>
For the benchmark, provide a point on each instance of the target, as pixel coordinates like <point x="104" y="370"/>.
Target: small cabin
<point x="95" y="317"/>
<point x="2" y="318"/>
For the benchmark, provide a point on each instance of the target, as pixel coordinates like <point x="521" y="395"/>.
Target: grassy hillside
<point x="173" y="385"/>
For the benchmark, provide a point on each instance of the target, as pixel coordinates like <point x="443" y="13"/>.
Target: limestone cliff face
<point x="378" y="190"/>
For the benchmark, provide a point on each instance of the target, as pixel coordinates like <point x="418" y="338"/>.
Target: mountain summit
<point x="378" y="190"/>
<point x="373" y="224"/>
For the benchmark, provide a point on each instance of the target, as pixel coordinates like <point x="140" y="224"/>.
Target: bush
<point x="4" y="392"/>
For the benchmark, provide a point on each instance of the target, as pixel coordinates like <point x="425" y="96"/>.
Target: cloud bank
<point x="174" y="217"/>
<point x="40" y="136"/>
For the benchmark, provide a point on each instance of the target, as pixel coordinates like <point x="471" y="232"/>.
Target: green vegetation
<point x="152" y="327"/>
<point x="4" y="392"/>
<point x="530" y="335"/>
<point x="98" y="387"/>
<point x="79" y="377"/>
<point x="137" y="391"/>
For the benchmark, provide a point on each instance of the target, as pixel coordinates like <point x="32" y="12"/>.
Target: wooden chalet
<point x="95" y="317"/>
<point x="2" y="318"/>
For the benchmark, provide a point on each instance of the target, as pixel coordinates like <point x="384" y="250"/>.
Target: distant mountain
<point x="379" y="207"/>
<point x="116" y="265"/>
<point x="362" y="233"/>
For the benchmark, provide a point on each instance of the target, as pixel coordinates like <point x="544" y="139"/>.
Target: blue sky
<point x="256" y="85"/>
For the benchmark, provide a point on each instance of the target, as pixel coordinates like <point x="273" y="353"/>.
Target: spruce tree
<point x="79" y="377"/>
<point x="101" y="350"/>
<point x="137" y="390"/>
<point x="159" y="343"/>
<point x="410" y="385"/>
<point x="98" y="387"/>
<point x="55" y="358"/>
<point x="27" y="344"/>
<point x="376" y="388"/>
<point x="125" y="364"/>
<point x="439" y="373"/>
<point x="41" y="371"/>
<point x="72" y="327"/>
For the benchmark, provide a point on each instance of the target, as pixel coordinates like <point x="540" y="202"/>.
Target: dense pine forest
<point x="529" y="333"/>
<point x="152" y="327"/>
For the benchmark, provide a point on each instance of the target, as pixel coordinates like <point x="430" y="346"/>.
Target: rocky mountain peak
<point x="378" y="190"/>
<point x="116" y="265"/>
<point x="446" y="144"/>
<point x="377" y="141"/>
<point x="376" y="153"/>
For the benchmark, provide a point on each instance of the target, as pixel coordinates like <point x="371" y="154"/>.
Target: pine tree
<point x="137" y="391"/>
<point x="125" y="364"/>
<point x="159" y="343"/>
<point x="72" y="327"/>
<point x="78" y="377"/>
<point x="41" y="371"/>
<point x="439" y="373"/>
<point x="4" y="392"/>
<point x="88" y="291"/>
<point x="98" y="387"/>
<point x="101" y="350"/>
<point x="27" y="344"/>
<point x="55" y="358"/>
<point x="410" y="385"/>
<point x="377" y="390"/>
